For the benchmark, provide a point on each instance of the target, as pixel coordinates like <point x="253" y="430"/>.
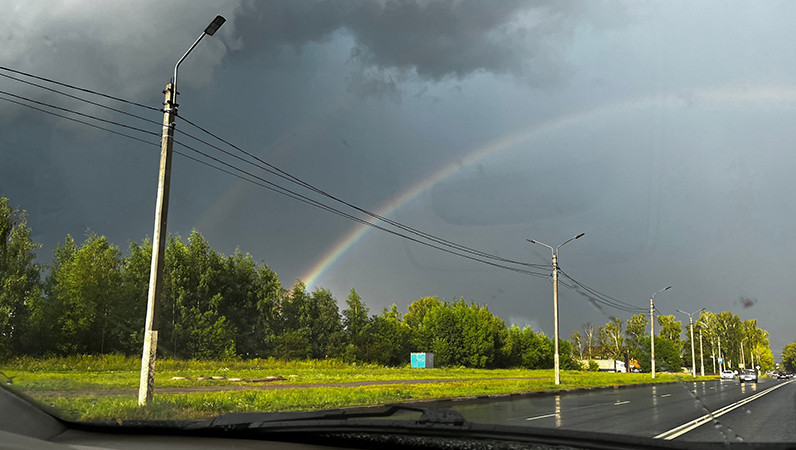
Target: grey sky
<point x="661" y="130"/>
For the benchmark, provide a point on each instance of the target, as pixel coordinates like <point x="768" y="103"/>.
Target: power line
<point x="77" y="88"/>
<point x="297" y="196"/>
<point x="141" y="130"/>
<point x="270" y="168"/>
<point x="265" y="166"/>
<point x="602" y="298"/>
<point x="56" y="91"/>
<point x="78" y="121"/>
<point x="262" y="182"/>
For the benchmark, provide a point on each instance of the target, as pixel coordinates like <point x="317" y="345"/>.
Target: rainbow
<point x="705" y="98"/>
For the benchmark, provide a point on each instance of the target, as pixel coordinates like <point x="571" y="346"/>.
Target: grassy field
<point x="101" y="387"/>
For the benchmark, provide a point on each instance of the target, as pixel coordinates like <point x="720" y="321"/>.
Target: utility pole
<point x="652" y="327"/>
<point x="691" y="325"/>
<point x="743" y="359"/>
<point x="693" y="358"/>
<point x="147" y="381"/>
<point x="652" y="334"/>
<point x="556" y="360"/>
<point x="701" y="356"/>
<point x="721" y="360"/>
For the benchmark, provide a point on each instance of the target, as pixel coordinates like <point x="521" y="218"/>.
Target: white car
<point x="748" y="375"/>
<point x="727" y="375"/>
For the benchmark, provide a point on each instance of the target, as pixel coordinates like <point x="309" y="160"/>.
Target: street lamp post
<point x="701" y="353"/>
<point x="743" y="358"/>
<point x="691" y="325"/>
<point x="652" y="328"/>
<point x="555" y="300"/>
<point x="147" y="381"/>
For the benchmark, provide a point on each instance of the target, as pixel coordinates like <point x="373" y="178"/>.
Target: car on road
<point x="727" y="375"/>
<point x="747" y="376"/>
<point x="782" y="376"/>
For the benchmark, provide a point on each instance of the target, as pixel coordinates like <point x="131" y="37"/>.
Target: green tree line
<point x="92" y="300"/>
<point x="717" y="337"/>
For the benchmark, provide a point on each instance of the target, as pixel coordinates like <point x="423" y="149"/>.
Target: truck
<point x="610" y="365"/>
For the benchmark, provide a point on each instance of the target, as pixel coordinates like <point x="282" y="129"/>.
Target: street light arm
<point x="664" y="289"/>
<point x="209" y="31"/>
<point x="541" y="243"/>
<point x="570" y="240"/>
<point x="177" y="66"/>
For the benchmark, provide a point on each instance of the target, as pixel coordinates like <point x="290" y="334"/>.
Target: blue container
<point x="422" y="360"/>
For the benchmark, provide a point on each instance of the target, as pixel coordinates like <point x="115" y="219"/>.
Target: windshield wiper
<point x="253" y="421"/>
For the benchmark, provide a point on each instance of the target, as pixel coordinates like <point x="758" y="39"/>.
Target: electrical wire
<point x="70" y="86"/>
<point x="78" y="121"/>
<point x="266" y="166"/>
<point x="460" y="250"/>
<point x="56" y="91"/>
<point x="297" y="196"/>
<point x="129" y="127"/>
<point x="601" y="298"/>
<point x="261" y="181"/>
<point x="270" y="168"/>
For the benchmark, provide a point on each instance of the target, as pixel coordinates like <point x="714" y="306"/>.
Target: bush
<point x="593" y="366"/>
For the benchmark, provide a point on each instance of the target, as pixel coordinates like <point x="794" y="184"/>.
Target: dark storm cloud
<point x="127" y="48"/>
<point x="434" y="40"/>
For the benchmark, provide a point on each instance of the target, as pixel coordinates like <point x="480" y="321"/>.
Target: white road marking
<point x="666" y="395"/>
<point x="688" y="426"/>
<point x="617" y="403"/>
<point x="542" y="417"/>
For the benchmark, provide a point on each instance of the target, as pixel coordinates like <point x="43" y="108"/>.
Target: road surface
<point x="725" y="411"/>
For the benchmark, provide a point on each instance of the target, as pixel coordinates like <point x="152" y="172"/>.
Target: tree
<point x="390" y="338"/>
<point x="195" y="300"/>
<point x="614" y="341"/>
<point x="667" y="356"/>
<point x="20" y="283"/>
<point x="589" y="333"/>
<point x="577" y="343"/>
<point x="671" y="329"/>
<point x="418" y="310"/>
<point x="326" y="330"/>
<point x="635" y="331"/>
<point x="87" y="292"/>
<point x="355" y="321"/>
<point x="789" y="357"/>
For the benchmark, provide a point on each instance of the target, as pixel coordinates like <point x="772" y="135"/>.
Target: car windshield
<point x="297" y="206"/>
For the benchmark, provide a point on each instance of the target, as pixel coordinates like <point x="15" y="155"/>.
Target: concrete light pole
<point x="743" y="358"/>
<point x="147" y="381"/>
<point x="701" y="354"/>
<point x="691" y="325"/>
<point x="555" y="300"/>
<point x="652" y="327"/>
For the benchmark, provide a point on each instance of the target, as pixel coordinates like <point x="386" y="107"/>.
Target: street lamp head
<point x="579" y="236"/>
<point x="215" y="25"/>
<point x="667" y="288"/>
<point x="531" y="241"/>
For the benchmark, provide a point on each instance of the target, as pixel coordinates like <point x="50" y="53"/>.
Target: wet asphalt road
<point x="768" y="414"/>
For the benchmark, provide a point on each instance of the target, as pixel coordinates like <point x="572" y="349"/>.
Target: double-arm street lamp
<point x="147" y="381"/>
<point x="652" y="327"/>
<point x="691" y="325"/>
<point x="555" y="300"/>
